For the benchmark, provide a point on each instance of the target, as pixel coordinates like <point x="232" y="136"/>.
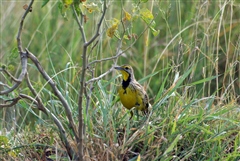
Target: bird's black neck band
<point x="126" y="83"/>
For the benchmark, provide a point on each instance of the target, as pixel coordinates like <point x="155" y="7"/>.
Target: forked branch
<point x="86" y="44"/>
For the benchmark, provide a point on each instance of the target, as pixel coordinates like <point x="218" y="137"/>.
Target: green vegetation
<point x="185" y="53"/>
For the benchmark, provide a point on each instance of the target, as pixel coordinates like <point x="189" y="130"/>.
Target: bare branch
<point x="56" y="92"/>
<point x="10" y="75"/>
<point x="21" y="76"/>
<point x="119" y="53"/>
<point x="4" y="85"/>
<point x="19" y="41"/>
<point x="38" y="99"/>
<point x="13" y="102"/>
<point x="82" y="78"/>
<point x="22" y="55"/>
<point x="80" y="25"/>
<point x="29" y="98"/>
<point x="98" y="25"/>
<point x="41" y="107"/>
<point x="101" y="76"/>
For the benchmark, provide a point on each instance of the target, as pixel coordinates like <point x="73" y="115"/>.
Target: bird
<point x="131" y="93"/>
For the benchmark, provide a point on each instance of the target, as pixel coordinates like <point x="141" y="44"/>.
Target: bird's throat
<point x="125" y="83"/>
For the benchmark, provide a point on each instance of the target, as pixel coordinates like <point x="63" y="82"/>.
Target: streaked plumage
<point x="131" y="93"/>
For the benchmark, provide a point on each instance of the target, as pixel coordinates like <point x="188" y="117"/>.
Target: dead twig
<point x="101" y="76"/>
<point x="23" y="55"/>
<point x="119" y="51"/>
<point x="38" y="99"/>
<point x="13" y="102"/>
<point x="83" y="73"/>
<point x="10" y="75"/>
<point x="58" y="123"/>
<point x="21" y="76"/>
<point x="58" y="94"/>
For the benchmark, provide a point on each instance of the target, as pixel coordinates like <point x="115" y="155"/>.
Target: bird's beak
<point x="119" y="68"/>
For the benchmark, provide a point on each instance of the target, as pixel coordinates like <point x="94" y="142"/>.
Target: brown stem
<point x="83" y="74"/>
<point x="58" y="123"/>
<point x="56" y="92"/>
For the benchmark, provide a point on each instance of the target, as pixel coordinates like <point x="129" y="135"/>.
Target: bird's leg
<point x="137" y="115"/>
<point x="146" y="112"/>
<point x="131" y="112"/>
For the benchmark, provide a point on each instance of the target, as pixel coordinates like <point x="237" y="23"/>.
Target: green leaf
<point x="11" y="67"/>
<point x="76" y="4"/>
<point x="67" y="2"/>
<point x="44" y="2"/>
<point x="204" y="80"/>
<point x="62" y="9"/>
<point x="144" y="1"/>
<point x="77" y="8"/>
<point x="147" y="17"/>
<point x="174" y="143"/>
<point x="148" y="76"/>
<point x="154" y="32"/>
<point x="161" y="89"/>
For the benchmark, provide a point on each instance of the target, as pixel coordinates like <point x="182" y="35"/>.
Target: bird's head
<point x="126" y="70"/>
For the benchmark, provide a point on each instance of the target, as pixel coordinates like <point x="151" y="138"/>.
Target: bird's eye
<point x="126" y="68"/>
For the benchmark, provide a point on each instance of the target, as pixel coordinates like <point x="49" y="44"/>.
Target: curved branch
<point x="22" y="54"/>
<point x="41" y="107"/>
<point x="56" y="92"/>
<point x="46" y="111"/>
<point x="99" y="77"/>
<point x="38" y="99"/>
<point x="82" y="77"/>
<point x="98" y="25"/>
<point x="119" y="53"/>
<point x="4" y="85"/>
<point x="9" y="74"/>
<point x="21" y="76"/>
<point x="80" y="25"/>
<point x="14" y="101"/>
<point x="19" y="41"/>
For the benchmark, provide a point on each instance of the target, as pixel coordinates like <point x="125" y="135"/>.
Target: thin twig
<point x="13" y="102"/>
<point x="91" y="50"/>
<point x="118" y="49"/>
<point x="19" y="41"/>
<point x="88" y="96"/>
<point x="22" y="55"/>
<point x="10" y="75"/>
<point x="98" y="25"/>
<point x="101" y="76"/>
<point x="4" y="85"/>
<point x="83" y="74"/>
<point x="58" y="123"/>
<point x="38" y="99"/>
<point x="21" y="95"/>
<point x="80" y="25"/>
<point x="56" y="92"/>
<point x="21" y="76"/>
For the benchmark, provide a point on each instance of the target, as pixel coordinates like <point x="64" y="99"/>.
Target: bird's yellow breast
<point x="128" y="97"/>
